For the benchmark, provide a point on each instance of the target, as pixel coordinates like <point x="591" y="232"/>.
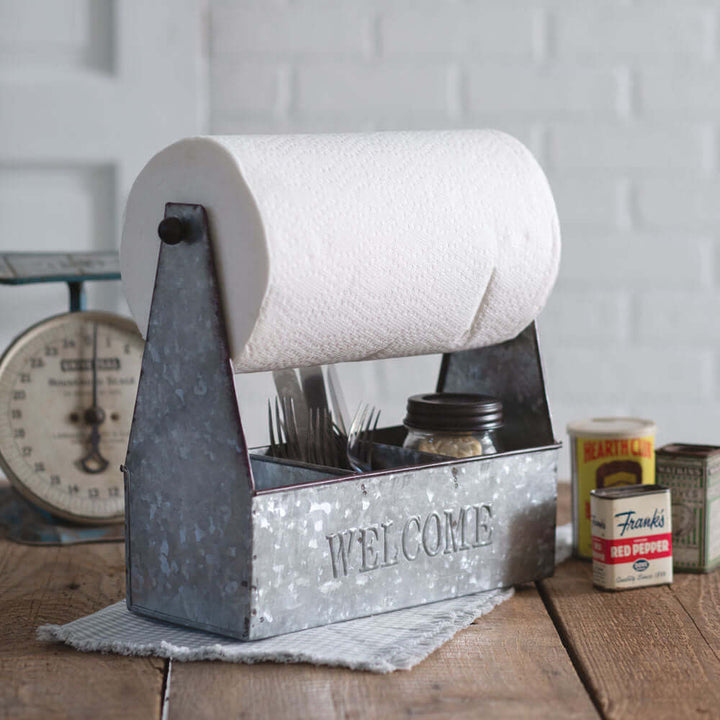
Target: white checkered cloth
<point x="381" y="643"/>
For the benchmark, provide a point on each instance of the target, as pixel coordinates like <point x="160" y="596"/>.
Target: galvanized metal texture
<point x="188" y="482"/>
<point x="370" y="544"/>
<point x="511" y="371"/>
<point x="271" y="473"/>
<point x="258" y="548"/>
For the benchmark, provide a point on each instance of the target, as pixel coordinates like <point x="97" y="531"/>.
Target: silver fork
<point x="360" y="438"/>
<point x="321" y="446"/>
<point x="282" y="423"/>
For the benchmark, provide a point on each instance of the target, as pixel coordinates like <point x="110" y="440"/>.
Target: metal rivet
<point x="171" y="230"/>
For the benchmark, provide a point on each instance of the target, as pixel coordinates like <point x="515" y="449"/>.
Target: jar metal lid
<point x="612" y="427"/>
<point x="459" y="412"/>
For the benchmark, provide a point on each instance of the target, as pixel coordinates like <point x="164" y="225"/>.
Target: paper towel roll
<point x="333" y="248"/>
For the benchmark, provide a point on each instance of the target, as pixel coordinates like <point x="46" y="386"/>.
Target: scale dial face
<point x="67" y="395"/>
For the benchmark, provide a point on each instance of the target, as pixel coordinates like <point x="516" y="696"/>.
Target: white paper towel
<point x="333" y="248"/>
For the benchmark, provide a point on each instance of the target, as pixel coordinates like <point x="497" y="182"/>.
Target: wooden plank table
<point x="556" y="650"/>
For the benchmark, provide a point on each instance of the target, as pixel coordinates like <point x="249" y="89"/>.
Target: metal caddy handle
<point x="252" y="546"/>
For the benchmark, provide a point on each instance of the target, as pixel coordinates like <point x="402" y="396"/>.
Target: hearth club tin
<point x="607" y="453"/>
<point x="631" y="537"/>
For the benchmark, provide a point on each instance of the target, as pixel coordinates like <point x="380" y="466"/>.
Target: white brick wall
<point x="620" y="101"/>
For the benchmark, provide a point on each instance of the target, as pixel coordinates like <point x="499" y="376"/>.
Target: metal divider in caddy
<point x="233" y="541"/>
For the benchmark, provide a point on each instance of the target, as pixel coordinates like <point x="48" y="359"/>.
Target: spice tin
<point x="692" y="472"/>
<point x="606" y="453"/>
<point x="631" y="537"/>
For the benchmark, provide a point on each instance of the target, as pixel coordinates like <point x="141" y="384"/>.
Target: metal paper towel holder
<point x="250" y="546"/>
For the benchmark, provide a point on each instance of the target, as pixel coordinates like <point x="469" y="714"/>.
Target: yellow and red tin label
<point x="607" y="453"/>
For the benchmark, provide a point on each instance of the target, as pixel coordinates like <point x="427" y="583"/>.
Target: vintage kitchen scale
<point x="237" y="542"/>
<point x="67" y="390"/>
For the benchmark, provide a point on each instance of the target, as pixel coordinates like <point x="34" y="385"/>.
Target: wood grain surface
<point x="568" y="651"/>
<point x="700" y="597"/>
<point x="48" y="680"/>
<point x="509" y="664"/>
<point x="640" y="652"/>
<point x="647" y="653"/>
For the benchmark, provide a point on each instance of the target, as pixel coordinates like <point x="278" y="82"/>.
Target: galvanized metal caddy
<point x="242" y="544"/>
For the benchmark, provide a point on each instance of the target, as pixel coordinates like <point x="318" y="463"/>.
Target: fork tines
<point x="323" y="445"/>
<point x="361" y="437"/>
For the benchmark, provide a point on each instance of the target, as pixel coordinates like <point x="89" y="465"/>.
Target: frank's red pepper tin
<point x="631" y="537"/>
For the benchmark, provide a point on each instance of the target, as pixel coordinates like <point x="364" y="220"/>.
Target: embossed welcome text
<point x="364" y="549"/>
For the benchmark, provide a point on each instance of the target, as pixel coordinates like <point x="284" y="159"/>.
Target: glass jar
<point x="456" y="425"/>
